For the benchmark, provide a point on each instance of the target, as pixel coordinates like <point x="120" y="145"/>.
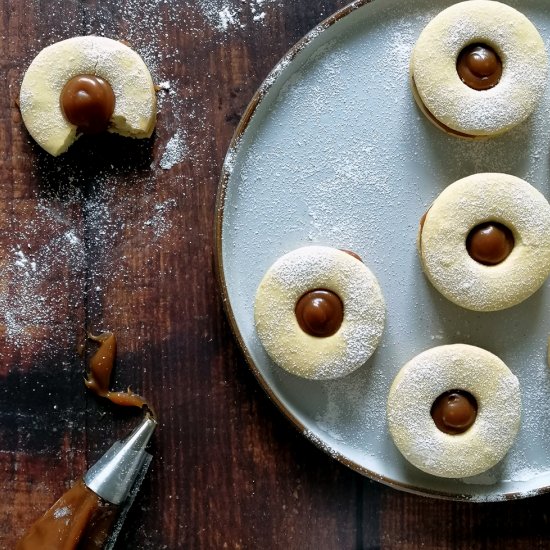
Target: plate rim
<point x="226" y="171"/>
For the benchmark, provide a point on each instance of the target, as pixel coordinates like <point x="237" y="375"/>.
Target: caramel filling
<point x="433" y="118"/>
<point x="80" y="518"/>
<point x="421" y="227"/>
<point x="320" y="313"/>
<point x="423" y="219"/>
<point x="490" y="243"/>
<point x="352" y="254"/>
<point x="88" y="102"/>
<point x="101" y="365"/>
<point x="454" y="411"/>
<point x="479" y="66"/>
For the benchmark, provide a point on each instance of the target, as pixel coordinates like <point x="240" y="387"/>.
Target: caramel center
<point x="454" y="411"/>
<point x="479" y="66"/>
<point x="88" y="102"/>
<point x="319" y="312"/>
<point x="490" y="243"/>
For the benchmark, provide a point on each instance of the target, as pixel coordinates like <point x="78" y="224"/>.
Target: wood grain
<point x="229" y="470"/>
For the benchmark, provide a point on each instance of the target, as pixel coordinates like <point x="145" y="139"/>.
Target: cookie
<point x="454" y="411"/>
<point x="478" y="69"/>
<point x="319" y="312"/>
<point x="86" y="84"/>
<point x="485" y="241"/>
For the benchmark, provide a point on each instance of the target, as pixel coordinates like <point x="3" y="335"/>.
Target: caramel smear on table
<point x="100" y="367"/>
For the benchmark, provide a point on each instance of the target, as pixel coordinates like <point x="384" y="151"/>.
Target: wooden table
<point x="118" y="235"/>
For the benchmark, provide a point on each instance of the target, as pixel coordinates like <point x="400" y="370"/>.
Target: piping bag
<point x="90" y="514"/>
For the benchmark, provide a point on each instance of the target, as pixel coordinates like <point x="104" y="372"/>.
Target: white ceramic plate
<point x="333" y="150"/>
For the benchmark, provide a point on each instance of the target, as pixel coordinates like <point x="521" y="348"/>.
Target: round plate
<point x="333" y="150"/>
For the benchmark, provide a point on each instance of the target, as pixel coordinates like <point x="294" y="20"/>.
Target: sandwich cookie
<point x="478" y="69"/>
<point x="454" y="411"/>
<point x="485" y="241"/>
<point x="319" y="312"/>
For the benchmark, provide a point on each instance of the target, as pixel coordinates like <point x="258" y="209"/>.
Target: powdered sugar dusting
<point x="225" y="15"/>
<point x="54" y="267"/>
<point x="30" y="294"/>
<point x="175" y="151"/>
<point x="158" y="222"/>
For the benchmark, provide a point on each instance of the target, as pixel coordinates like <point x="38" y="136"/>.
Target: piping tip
<point x="114" y="474"/>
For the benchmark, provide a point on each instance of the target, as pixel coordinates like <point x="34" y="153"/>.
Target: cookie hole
<point x="490" y="243"/>
<point x="319" y="312"/>
<point x="479" y="66"/>
<point x="454" y="412"/>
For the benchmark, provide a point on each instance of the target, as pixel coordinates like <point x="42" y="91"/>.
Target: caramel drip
<point x="101" y="365"/>
<point x="79" y="519"/>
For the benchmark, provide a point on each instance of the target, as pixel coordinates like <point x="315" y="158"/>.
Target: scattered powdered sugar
<point x="159" y="222"/>
<point x="112" y="219"/>
<point x="486" y="478"/>
<point x="175" y="151"/>
<point x="31" y="292"/>
<point x="228" y="17"/>
<point x="225" y="15"/>
<point x="66" y="253"/>
<point x="321" y="443"/>
<point x="275" y="73"/>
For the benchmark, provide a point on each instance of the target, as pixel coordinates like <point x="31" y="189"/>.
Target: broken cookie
<point x="86" y="85"/>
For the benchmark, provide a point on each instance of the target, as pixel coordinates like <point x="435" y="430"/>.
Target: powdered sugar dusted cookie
<point x="319" y="312"/>
<point x="454" y="411"/>
<point x="479" y="68"/>
<point x="86" y="84"/>
<point x="485" y="241"/>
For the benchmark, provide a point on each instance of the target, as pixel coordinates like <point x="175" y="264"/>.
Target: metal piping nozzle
<point x="114" y="474"/>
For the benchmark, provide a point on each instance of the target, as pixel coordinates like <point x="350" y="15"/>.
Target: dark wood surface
<point x="103" y="238"/>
